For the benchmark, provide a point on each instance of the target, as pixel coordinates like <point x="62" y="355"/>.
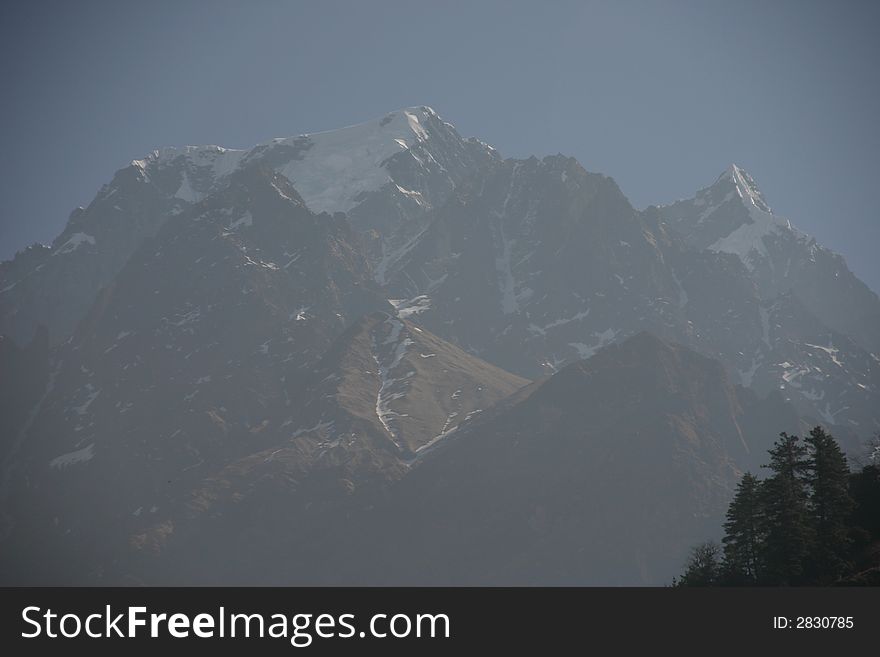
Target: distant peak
<point x="745" y="185"/>
<point x="199" y="155"/>
<point x="332" y="170"/>
<point x="402" y="123"/>
<point x="731" y="172"/>
<point x="421" y="109"/>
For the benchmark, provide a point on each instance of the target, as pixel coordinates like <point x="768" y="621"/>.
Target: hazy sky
<point x="660" y="95"/>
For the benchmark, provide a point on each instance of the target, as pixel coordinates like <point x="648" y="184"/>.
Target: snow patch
<point x="388" y="355"/>
<point x="330" y="170"/>
<point x="245" y="220"/>
<point x="83" y="408"/>
<point x="542" y="330"/>
<point x="392" y="257"/>
<point x="791" y="376"/>
<point x="185" y="192"/>
<point x="830" y="350"/>
<point x="602" y="339"/>
<point x="828" y="416"/>
<point x="72" y="458"/>
<point x="76" y="240"/>
<point x="415" y="125"/>
<point x="415" y="196"/>
<point x="339" y="166"/>
<point x="408" y="307"/>
<point x="747" y="376"/>
<point x="748" y="241"/>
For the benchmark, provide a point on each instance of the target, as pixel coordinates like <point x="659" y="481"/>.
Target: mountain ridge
<point x="489" y="248"/>
<point x="218" y="354"/>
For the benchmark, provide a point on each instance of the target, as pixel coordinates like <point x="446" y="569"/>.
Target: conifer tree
<point x="830" y="506"/>
<point x="743" y="533"/>
<point x="703" y="567"/>
<point x="865" y="490"/>
<point x="786" y="515"/>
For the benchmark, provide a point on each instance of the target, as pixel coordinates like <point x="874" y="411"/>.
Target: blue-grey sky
<point x="660" y="95"/>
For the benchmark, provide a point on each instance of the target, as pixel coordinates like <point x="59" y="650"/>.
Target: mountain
<point x="385" y="174"/>
<point x="401" y="384"/>
<point x="385" y="393"/>
<point x="317" y="351"/>
<point x="538" y="263"/>
<point x="247" y="332"/>
<point x="187" y="359"/>
<point x="819" y="326"/>
<point x="24" y="378"/>
<point x="535" y="264"/>
<point x="19" y="395"/>
<point x="604" y="473"/>
<point x="529" y="264"/>
<point x="732" y="216"/>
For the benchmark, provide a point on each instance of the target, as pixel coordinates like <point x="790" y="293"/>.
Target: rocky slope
<point x="604" y="473"/>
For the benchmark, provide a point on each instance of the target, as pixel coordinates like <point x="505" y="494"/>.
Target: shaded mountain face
<point x="20" y="393"/>
<point x="324" y="329"/>
<point x="604" y="473"/>
<point x="24" y="377"/>
<point x="243" y="352"/>
<point x="54" y="285"/>
<point x="538" y="263"/>
<point x="187" y="360"/>
<point x="778" y="344"/>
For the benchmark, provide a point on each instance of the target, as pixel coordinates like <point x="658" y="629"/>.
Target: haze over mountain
<point x="274" y="354"/>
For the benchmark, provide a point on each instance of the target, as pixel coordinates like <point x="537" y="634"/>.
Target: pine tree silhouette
<point x="830" y="507"/>
<point x="786" y="514"/>
<point x="703" y="567"/>
<point x="744" y="533"/>
<point x="812" y="522"/>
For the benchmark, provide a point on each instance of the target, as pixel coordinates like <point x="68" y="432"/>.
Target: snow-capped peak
<point x="401" y="124"/>
<point x="338" y="166"/>
<point x="748" y="238"/>
<point x="221" y="161"/>
<point x="331" y="170"/>
<point x="745" y="186"/>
